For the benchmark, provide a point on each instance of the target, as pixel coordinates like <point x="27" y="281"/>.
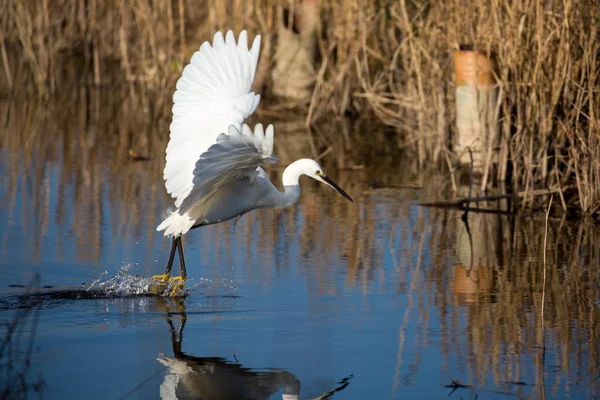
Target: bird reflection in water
<point x="190" y="377"/>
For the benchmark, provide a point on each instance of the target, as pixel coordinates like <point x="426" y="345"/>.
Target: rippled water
<point x="380" y="298"/>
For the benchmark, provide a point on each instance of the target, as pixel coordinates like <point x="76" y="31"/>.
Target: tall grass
<point x="387" y="59"/>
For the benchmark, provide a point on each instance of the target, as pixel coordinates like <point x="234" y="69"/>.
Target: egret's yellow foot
<point x="162" y="278"/>
<point x="159" y="283"/>
<point x="177" y="283"/>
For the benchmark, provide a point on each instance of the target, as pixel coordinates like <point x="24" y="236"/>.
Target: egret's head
<point x="312" y="169"/>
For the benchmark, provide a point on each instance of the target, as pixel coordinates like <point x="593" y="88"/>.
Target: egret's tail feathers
<point x="175" y="224"/>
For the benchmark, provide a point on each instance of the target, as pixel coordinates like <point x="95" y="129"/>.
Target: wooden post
<point x="476" y="98"/>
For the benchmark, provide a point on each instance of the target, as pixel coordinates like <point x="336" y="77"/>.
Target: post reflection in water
<point x="405" y="295"/>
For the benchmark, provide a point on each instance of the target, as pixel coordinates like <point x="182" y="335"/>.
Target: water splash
<point x="125" y="285"/>
<point x="122" y="286"/>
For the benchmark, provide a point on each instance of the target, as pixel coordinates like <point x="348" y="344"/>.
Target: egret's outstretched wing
<point x="212" y="94"/>
<point x="235" y="155"/>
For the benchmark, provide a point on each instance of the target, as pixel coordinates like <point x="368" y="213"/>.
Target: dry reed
<point x="387" y="59"/>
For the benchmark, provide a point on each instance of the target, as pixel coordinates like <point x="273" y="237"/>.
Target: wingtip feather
<point x="229" y="38"/>
<point x="243" y="40"/>
<point x="269" y="140"/>
<point x="256" y="44"/>
<point x="218" y="40"/>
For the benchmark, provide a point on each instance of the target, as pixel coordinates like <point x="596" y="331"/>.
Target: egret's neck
<point x="290" y="195"/>
<point x="291" y="175"/>
<point x="291" y="187"/>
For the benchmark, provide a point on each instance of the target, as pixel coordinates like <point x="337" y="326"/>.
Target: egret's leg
<point x="179" y="281"/>
<point x="171" y="257"/>
<point x="165" y="276"/>
<point x="182" y="260"/>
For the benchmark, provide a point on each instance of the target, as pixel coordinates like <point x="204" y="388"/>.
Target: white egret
<point x="213" y="160"/>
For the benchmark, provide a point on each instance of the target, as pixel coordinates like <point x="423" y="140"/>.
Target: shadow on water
<point x="191" y="377"/>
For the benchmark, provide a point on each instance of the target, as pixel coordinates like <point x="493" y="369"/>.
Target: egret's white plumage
<point x="213" y="159"/>
<point x="213" y="93"/>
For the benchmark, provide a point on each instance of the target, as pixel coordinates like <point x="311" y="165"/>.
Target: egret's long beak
<point x="325" y="179"/>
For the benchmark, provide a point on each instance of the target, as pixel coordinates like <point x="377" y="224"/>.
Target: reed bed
<point x="387" y="60"/>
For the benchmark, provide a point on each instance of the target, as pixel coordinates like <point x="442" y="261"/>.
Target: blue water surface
<point x="363" y="300"/>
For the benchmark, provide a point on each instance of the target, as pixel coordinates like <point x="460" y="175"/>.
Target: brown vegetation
<point x="388" y="59"/>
